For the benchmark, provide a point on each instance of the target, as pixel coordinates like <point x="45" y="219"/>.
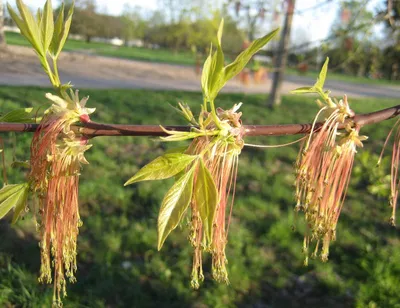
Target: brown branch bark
<point x="93" y="129"/>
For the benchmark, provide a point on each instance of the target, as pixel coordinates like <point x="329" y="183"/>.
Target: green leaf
<point x="20" y="23"/>
<point x="174" y="205"/>
<point x="162" y="167"/>
<point x="21" y="203"/>
<point x="206" y="196"/>
<point x="47" y="25"/>
<point x="57" y="33"/>
<point x="33" y="32"/>
<point x="304" y="90"/>
<point x="318" y="86"/>
<point x="13" y="196"/>
<point x="205" y="74"/>
<point x="181" y="150"/>
<point x="8" y="190"/>
<point x="39" y="17"/>
<point x="180" y="136"/>
<point x="65" y="30"/>
<point x="322" y="76"/>
<point x="22" y="115"/>
<point x="243" y="58"/>
<point x="213" y="68"/>
<point x="220" y="30"/>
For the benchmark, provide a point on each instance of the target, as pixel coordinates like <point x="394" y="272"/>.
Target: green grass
<point x="347" y="78"/>
<point x="265" y="259"/>
<point x="134" y="53"/>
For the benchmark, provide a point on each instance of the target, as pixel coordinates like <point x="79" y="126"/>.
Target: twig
<point x="93" y="129"/>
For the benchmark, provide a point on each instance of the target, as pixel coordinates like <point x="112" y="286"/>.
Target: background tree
<point x="134" y="25"/>
<point x="86" y="20"/>
<point x="2" y="35"/>
<point x="282" y="53"/>
<point x="391" y="54"/>
<point x="253" y="15"/>
<point x="352" y="38"/>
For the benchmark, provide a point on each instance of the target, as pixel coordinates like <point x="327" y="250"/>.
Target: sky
<point x="313" y="24"/>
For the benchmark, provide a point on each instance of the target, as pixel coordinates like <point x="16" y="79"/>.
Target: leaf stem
<point x="55" y="68"/>
<point x="214" y="115"/>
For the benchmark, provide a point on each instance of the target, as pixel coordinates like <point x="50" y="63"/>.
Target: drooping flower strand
<point x="394" y="175"/>
<point x="394" y="170"/>
<point x="323" y="172"/>
<point x="56" y="157"/>
<point x="220" y="155"/>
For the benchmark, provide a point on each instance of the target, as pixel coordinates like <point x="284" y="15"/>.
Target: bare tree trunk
<point x="282" y="53"/>
<point x="2" y="35"/>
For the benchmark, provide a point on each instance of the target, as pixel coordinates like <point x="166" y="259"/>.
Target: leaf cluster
<point x="318" y="87"/>
<point x="215" y="74"/>
<point x="46" y="36"/>
<point x="178" y="198"/>
<point x="193" y="179"/>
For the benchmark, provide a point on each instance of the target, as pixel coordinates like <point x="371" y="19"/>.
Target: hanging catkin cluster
<point x="57" y="153"/>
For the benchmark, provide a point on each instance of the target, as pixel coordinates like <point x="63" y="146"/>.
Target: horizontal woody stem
<point x="94" y="129"/>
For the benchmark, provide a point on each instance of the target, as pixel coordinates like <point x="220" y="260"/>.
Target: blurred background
<point x="137" y="58"/>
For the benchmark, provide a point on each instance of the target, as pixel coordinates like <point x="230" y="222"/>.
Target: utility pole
<point x="275" y="95"/>
<point x="2" y="35"/>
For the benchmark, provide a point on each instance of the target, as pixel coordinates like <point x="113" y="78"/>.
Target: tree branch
<point x="93" y="129"/>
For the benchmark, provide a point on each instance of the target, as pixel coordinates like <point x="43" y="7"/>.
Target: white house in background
<point x="135" y="43"/>
<point x="11" y="29"/>
<point x="114" y="41"/>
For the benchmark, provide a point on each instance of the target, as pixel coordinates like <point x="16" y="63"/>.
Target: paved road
<point x="361" y="90"/>
<point x="100" y="72"/>
<point x="338" y="88"/>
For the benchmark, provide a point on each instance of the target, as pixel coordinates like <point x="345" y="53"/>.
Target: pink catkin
<point x="223" y="169"/>
<point x="56" y="180"/>
<point x="323" y="175"/>
<point x="394" y="175"/>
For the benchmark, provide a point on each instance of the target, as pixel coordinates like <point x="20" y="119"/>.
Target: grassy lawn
<point x="135" y="53"/>
<point x="119" y="265"/>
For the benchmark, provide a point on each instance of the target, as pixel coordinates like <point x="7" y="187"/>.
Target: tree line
<point x="353" y="43"/>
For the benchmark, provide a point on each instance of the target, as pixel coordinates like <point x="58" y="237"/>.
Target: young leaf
<point x="57" y="33"/>
<point x="322" y="76"/>
<point x="32" y="27"/>
<point x="206" y="196"/>
<point x="22" y="115"/>
<point x="47" y="25"/>
<point x="20" y="205"/>
<point x="304" y="90"/>
<point x="20" y="23"/>
<point x="180" y="150"/>
<point x="162" y="167"/>
<point x="205" y="73"/>
<point x="242" y="59"/>
<point x="318" y="86"/>
<point x="215" y="79"/>
<point x="174" y="205"/>
<point x="8" y="190"/>
<point x="180" y="136"/>
<point x="12" y="196"/>
<point x="65" y="30"/>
